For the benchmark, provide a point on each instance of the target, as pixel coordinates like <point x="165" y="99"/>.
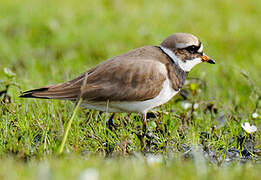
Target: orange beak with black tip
<point x="205" y="58"/>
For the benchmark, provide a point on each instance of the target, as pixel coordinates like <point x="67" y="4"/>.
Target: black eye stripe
<point x="192" y="49"/>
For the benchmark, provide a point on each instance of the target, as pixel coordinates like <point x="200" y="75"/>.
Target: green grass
<point x="46" y="42"/>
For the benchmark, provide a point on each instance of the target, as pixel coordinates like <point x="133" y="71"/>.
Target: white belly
<point x="135" y="106"/>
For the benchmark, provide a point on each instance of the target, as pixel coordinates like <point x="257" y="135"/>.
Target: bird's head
<point x="185" y="50"/>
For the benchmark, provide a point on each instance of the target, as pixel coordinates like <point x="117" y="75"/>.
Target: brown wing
<point x="117" y="79"/>
<point x="125" y="80"/>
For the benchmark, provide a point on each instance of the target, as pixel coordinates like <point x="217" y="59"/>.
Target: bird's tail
<point x="51" y="93"/>
<point x="69" y="90"/>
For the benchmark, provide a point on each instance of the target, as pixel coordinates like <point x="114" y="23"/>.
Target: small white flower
<point x="249" y="129"/>
<point x="89" y="174"/>
<point x="195" y="106"/>
<point x="255" y="115"/>
<point x="186" y="105"/>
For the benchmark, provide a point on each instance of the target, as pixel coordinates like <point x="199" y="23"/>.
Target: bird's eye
<point x="192" y="49"/>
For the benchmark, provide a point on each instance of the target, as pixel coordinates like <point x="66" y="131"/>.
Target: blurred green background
<point x="50" y="41"/>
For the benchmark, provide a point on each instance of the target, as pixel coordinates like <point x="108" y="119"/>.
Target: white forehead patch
<point x="200" y="50"/>
<point x="185" y="66"/>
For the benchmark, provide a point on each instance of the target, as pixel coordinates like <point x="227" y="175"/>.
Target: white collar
<point x="185" y="66"/>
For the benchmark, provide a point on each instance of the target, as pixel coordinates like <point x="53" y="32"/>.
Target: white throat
<point x="185" y="66"/>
